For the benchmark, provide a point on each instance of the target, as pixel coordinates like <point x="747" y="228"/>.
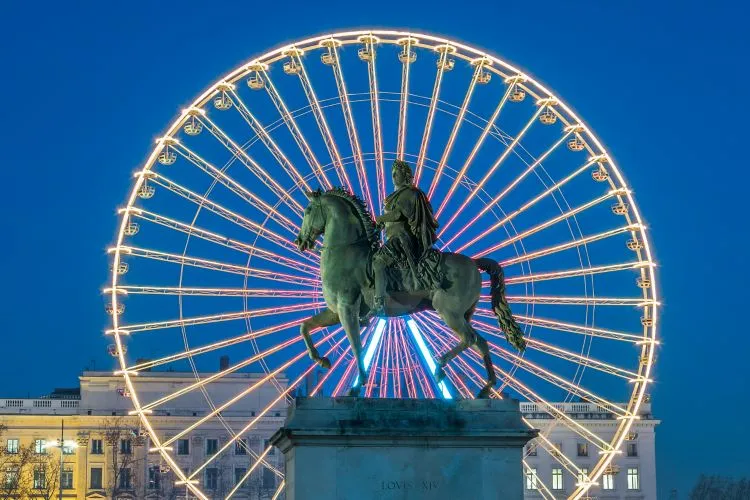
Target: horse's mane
<point x="360" y="207"/>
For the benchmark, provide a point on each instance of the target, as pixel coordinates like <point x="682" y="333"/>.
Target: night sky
<point x="87" y="89"/>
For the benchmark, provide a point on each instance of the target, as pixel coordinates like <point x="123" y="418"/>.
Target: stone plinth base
<point x="362" y="449"/>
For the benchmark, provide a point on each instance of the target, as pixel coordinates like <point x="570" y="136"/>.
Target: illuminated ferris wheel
<point x="204" y="263"/>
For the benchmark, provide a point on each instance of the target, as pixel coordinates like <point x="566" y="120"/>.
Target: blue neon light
<point x="419" y="340"/>
<point x="370" y="352"/>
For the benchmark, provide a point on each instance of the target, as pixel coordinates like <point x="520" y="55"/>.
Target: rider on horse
<point x="410" y="231"/>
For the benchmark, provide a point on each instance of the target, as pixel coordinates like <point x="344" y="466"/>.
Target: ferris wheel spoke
<point x="294" y="129"/>
<point x="213" y="347"/>
<point x="549" y="223"/>
<point x="568" y="245"/>
<point x="386" y="365"/>
<point x="325" y="131"/>
<point x="229" y="215"/>
<point x="485" y="132"/>
<point x="213" y="265"/>
<point x="369" y="54"/>
<point x="478" y="72"/>
<point x="293" y="385"/>
<point x="238" y="189"/>
<point x="572" y="273"/>
<point x="407" y="56"/>
<point x="218" y="318"/>
<point x="351" y="128"/>
<point x="411" y="387"/>
<point x="255" y="293"/>
<point x="206" y="235"/>
<point x="579" y="301"/>
<point x="444" y="63"/>
<point x="270" y="144"/>
<point x="218" y="409"/>
<point x="259" y="172"/>
<point x="509" y="149"/>
<point x="529" y="169"/>
<point x="566" y="327"/>
<point x="518" y="211"/>
<point x="372" y="375"/>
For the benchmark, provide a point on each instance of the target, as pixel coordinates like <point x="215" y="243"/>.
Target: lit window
<point x="583" y="449"/>
<point x="12" y="447"/>
<point x="125" y="480"/>
<point x="212" y="446"/>
<point x="126" y="446"/>
<point x="69" y="448"/>
<point x="239" y="474"/>
<point x="96" y="478"/>
<point x="608" y="482"/>
<point x="531" y="478"/>
<point x="212" y="478"/>
<point x="183" y="447"/>
<point x="40" y="478"/>
<point x="154" y="477"/>
<point x="634" y="482"/>
<point x="240" y="447"/>
<point x="583" y="476"/>
<point x="557" y="479"/>
<point x="632" y="449"/>
<point x="66" y="478"/>
<point x="40" y="446"/>
<point x="11" y="478"/>
<point x="96" y="447"/>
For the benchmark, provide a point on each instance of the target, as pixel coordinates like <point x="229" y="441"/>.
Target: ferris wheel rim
<point x="273" y="56"/>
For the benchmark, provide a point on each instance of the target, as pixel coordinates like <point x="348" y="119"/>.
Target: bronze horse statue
<point x="351" y="238"/>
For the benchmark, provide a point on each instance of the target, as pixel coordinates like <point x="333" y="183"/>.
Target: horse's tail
<point x="500" y="306"/>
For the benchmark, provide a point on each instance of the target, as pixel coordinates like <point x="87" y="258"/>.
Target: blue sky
<point x="659" y="82"/>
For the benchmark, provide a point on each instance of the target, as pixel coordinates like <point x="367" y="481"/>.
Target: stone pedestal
<point x="362" y="449"/>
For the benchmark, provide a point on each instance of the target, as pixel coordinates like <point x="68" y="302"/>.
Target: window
<point x="240" y="447"/>
<point x="212" y="478"/>
<point x="69" y="448"/>
<point x="126" y="446"/>
<point x="40" y="446"/>
<point x="125" y="480"/>
<point x="557" y="479"/>
<point x="12" y="447"/>
<point x="66" y="478"/>
<point x="96" y="447"/>
<point x="269" y="479"/>
<point x="632" y="449"/>
<point x="183" y="447"/>
<point x="96" y="478"/>
<point x="634" y="482"/>
<point x="11" y="478"/>
<point x="268" y="444"/>
<point x="531" y="479"/>
<point x="531" y="450"/>
<point x="583" y="476"/>
<point x="212" y="446"/>
<point x="239" y="474"/>
<point x="583" y="449"/>
<point x="40" y="479"/>
<point x="608" y="482"/>
<point x="154" y="477"/>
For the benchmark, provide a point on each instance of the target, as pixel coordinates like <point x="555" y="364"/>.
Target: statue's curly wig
<point x="405" y="169"/>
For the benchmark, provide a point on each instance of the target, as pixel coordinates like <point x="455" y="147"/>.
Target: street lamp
<point x="63" y="445"/>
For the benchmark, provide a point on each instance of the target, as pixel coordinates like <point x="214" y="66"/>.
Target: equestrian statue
<point x="363" y="278"/>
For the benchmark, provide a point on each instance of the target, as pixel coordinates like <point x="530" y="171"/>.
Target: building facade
<point x="111" y="458"/>
<point x="632" y="474"/>
<point x="105" y="453"/>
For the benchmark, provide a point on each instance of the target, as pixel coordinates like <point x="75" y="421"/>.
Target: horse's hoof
<point x="354" y="391"/>
<point x="324" y="362"/>
<point x="439" y="374"/>
<point x="485" y="392"/>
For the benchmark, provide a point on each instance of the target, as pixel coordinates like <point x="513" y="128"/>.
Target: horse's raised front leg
<point x="349" y="316"/>
<point x="324" y="318"/>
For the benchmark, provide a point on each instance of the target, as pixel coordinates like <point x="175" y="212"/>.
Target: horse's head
<point x="313" y="222"/>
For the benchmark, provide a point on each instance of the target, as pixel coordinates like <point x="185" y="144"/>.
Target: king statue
<point x="410" y="231"/>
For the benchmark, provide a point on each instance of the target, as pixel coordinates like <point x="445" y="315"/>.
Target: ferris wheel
<point x="204" y="263"/>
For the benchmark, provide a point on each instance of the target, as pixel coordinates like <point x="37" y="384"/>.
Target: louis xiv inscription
<point x="427" y="485"/>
